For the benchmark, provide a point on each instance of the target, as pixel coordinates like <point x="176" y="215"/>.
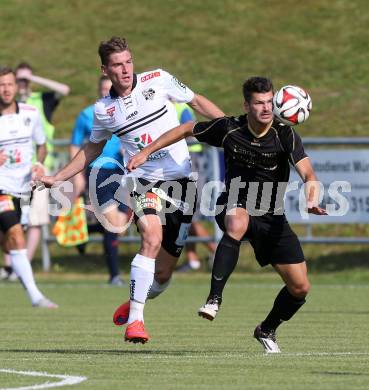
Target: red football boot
<point x="136" y="333"/>
<point x="120" y="316"/>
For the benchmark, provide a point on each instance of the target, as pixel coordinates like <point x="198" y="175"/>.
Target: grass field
<point x="324" y="346"/>
<point x="212" y="45"/>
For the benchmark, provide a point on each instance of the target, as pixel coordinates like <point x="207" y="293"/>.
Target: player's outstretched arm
<point x="81" y="160"/>
<point x="312" y="186"/>
<point x="205" y="107"/>
<point x="168" y="138"/>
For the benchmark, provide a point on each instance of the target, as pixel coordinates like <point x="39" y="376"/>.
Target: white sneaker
<point x="3" y="274"/>
<point x="45" y="303"/>
<point x="211" y="308"/>
<point x="12" y="277"/>
<point x="267" y="340"/>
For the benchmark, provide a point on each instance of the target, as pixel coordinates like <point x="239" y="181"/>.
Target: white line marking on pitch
<point x="323" y="354"/>
<point x="66" y="380"/>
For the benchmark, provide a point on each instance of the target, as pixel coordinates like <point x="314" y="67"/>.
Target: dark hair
<point x="256" y="84"/>
<point x="4" y="70"/>
<point x="24" y="65"/>
<point x="113" y="45"/>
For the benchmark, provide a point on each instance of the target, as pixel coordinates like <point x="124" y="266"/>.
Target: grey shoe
<point x="116" y="281"/>
<point x="267" y="340"/>
<point x="45" y="303"/>
<point x="185" y="268"/>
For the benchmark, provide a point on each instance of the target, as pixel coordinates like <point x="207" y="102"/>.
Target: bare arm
<point x="41" y="152"/>
<point x="312" y="186"/>
<point x="38" y="169"/>
<point x="3" y="158"/>
<point x="88" y="153"/>
<point x="168" y="138"/>
<point x="79" y="180"/>
<point x="59" y="88"/>
<point x="205" y="107"/>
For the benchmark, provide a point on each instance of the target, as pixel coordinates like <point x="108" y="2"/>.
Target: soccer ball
<point x="291" y="105"/>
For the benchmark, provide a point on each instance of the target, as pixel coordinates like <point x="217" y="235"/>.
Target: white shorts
<point x="37" y="213"/>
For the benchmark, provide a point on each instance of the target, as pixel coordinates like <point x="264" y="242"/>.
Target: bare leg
<point x="33" y="239"/>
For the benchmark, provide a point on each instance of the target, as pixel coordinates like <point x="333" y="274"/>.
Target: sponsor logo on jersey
<point x="143" y="140"/>
<point x="130" y="116"/>
<point x="14" y="156"/>
<point x="127" y="100"/>
<point x="157" y="155"/>
<point x="27" y="121"/>
<point x="177" y="83"/>
<point x="148" y="94"/>
<point x="150" y="76"/>
<point x="110" y="110"/>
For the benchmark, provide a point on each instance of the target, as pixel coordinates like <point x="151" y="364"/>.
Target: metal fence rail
<point x="214" y="174"/>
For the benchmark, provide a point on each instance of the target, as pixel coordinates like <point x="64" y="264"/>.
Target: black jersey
<point x="254" y="160"/>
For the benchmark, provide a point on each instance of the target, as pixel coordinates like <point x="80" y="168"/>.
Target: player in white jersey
<point x="20" y="126"/>
<point x="139" y="110"/>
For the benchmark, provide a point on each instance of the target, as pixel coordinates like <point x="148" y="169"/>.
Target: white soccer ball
<point x="291" y="105"/>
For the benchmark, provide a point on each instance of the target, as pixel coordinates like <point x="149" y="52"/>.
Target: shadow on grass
<point x="108" y="351"/>
<point x="340" y="261"/>
<point x="340" y="373"/>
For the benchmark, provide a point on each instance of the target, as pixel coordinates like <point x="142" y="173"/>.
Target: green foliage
<point x="212" y="45"/>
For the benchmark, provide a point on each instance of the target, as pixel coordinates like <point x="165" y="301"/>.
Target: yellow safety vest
<point x="36" y="100"/>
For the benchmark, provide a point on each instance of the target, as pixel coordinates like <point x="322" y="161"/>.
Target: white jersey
<point x="140" y="118"/>
<point x="17" y="133"/>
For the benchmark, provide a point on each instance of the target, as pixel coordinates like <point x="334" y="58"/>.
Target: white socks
<point x="157" y="289"/>
<point x="23" y="269"/>
<point x="142" y="276"/>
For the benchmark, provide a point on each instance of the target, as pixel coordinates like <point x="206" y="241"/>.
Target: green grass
<point x="323" y="346"/>
<point x="212" y="45"/>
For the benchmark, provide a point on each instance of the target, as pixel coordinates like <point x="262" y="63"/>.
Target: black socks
<point x="285" y="306"/>
<point x="225" y="260"/>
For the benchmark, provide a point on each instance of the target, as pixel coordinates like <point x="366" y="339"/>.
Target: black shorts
<point x="272" y="239"/>
<point x="10" y="212"/>
<point x="174" y="204"/>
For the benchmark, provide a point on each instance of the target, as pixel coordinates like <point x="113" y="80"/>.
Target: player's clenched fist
<point x="137" y="160"/>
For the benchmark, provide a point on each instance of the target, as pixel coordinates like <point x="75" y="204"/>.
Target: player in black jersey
<point x="258" y="151"/>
